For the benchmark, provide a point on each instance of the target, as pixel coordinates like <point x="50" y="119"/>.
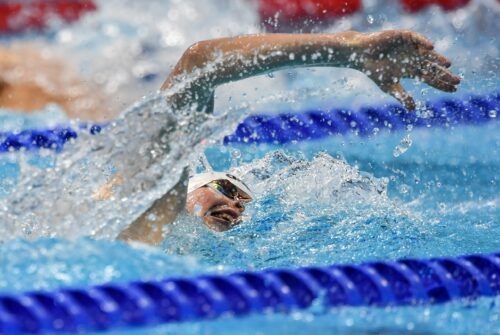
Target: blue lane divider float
<point x="121" y="306"/>
<point x="34" y="139"/>
<point x="314" y="124"/>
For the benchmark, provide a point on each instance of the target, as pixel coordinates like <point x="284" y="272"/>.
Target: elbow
<point x="196" y="56"/>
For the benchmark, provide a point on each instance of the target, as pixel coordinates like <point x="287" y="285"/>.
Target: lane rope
<point x="144" y="303"/>
<point x="286" y="128"/>
<point x="316" y="124"/>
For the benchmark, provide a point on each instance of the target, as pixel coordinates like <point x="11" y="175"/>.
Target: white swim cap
<point x="202" y="179"/>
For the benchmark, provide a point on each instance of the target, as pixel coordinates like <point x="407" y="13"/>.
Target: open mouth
<point x="224" y="215"/>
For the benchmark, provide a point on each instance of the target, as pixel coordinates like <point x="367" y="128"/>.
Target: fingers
<point x="398" y="92"/>
<point x="438" y="77"/>
<point x="434" y="57"/>
<point x="424" y="48"/>
<point x="432" y="68"/>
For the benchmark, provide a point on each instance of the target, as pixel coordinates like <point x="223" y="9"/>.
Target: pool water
<point x="418" y="193"/>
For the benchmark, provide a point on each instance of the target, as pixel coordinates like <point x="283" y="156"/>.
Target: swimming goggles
<point x="227" y="184"/>
<point x="227" y="189"/>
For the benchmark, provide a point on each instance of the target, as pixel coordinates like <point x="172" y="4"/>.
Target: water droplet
<point x="403" y="146"/>
<point x="370" y="19"/>
<point x="152" y="217"/>
<point x="236" y="154"/>
<point x="197" y="210"/>
<point x="492" y="113"/>
<point x="404" y="189"/>
<point x="442" y="207"/>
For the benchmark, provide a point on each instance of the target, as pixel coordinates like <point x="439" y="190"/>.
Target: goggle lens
<point x="227" y="189"/>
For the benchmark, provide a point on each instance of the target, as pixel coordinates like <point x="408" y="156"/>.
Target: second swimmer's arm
<point x="386" y="57"/>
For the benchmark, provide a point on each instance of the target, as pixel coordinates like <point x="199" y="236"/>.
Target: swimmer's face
<point x="219" y="212"/>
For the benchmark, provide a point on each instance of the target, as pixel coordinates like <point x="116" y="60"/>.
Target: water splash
<point x="403" y="146"/>
<point x="127" y="47"/>
<point x="306" y="212"/>
<point x="60" y="201"/>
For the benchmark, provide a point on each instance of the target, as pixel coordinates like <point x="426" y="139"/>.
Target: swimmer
<point x="32" y="78"/>
<point x="385" y="57"/>
<point x="218" y="198"/>
<point x="29" y="80"/>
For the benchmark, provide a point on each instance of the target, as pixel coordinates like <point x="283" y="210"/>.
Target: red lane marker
<point x="18" y="16"/>
<point x="413" y="6"/>
<point x="296" y="12"/>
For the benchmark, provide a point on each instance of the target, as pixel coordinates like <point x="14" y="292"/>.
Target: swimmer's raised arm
<point x="386" y="57"/>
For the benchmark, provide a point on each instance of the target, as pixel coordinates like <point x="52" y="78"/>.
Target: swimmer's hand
<point x="389" y="56"/>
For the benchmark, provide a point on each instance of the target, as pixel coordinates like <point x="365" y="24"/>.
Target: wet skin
<point x="219" y="212"/>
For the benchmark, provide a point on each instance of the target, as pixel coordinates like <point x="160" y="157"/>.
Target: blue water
<point x="338" y="200"/>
